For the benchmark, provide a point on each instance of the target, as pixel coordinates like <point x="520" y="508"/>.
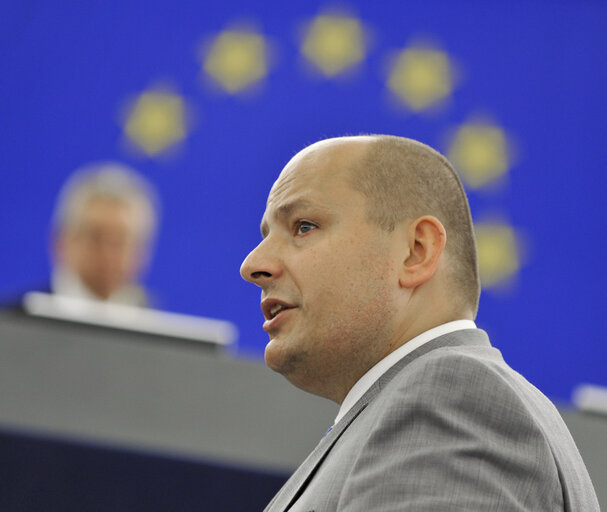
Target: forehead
<point x="104" y="207"/>
<point x="108" y="214"/>
<point x="322" y="164"/>
<point x="315" y="176"/>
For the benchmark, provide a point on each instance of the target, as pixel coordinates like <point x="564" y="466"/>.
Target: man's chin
<point x="278" y="358"/>
<point x="272" y="355"/>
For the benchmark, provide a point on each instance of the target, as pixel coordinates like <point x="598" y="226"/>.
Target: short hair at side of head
<point x="404" y="179"/>
<point x="111" y="181"/>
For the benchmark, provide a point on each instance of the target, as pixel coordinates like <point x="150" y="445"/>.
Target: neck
<point x="423" y="319"/>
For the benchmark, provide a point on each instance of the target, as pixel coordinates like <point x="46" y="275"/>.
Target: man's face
<point x="104" y="248"/>
<point x="328" y="276"/>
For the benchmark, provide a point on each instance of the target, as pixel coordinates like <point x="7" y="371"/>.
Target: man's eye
<point x="303" y="227"/>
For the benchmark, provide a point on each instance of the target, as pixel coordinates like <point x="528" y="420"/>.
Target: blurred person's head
<point x="103" y="223"/>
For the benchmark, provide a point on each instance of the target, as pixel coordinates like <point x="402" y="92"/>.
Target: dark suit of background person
<point x="104" y="220"/>
<point x="369" y="289"/>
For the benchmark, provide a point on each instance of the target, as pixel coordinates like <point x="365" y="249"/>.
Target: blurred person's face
<point x="105" y="247"/>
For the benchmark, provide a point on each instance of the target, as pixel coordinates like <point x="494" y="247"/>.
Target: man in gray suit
<point x="370" y="286"/>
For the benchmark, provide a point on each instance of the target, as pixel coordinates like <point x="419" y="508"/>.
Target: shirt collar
<point x="367" y="380"/>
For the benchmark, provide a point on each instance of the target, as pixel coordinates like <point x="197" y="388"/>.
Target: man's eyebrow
<point x="283" y="211"/>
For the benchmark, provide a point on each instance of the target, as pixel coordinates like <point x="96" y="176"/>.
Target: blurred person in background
<point x="104" y="221"/>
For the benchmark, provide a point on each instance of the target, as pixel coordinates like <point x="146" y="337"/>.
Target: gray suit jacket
<point x="450" y="427"/>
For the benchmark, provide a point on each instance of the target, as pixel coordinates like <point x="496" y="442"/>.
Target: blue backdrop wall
<point x="210" y="100"/>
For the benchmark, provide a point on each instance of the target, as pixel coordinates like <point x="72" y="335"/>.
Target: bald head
<point x="405" y="179"/>
<point x="354" y="259"/>
<point x="331" y="156"/>
<point x="401" y="179"/>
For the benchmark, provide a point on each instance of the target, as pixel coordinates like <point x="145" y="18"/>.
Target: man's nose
<point x="261" y="265"/>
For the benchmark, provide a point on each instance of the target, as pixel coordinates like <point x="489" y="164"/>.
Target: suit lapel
<point x="295" y="486"/>
<point x="299" y="480"/>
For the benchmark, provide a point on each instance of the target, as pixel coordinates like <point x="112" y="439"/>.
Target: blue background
<point x="538" y="68"/>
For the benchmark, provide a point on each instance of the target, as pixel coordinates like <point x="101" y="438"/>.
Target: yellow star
<point x="156" y="121"/>
<point x="334" y="43"/>
<point x="237" y="59"/>
<point x="479" y="151"/>
<point x="498" y="253"/>
<point x="421" y="77"/>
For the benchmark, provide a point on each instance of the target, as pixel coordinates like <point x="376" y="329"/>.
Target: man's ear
<point x="426" y="239"/>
